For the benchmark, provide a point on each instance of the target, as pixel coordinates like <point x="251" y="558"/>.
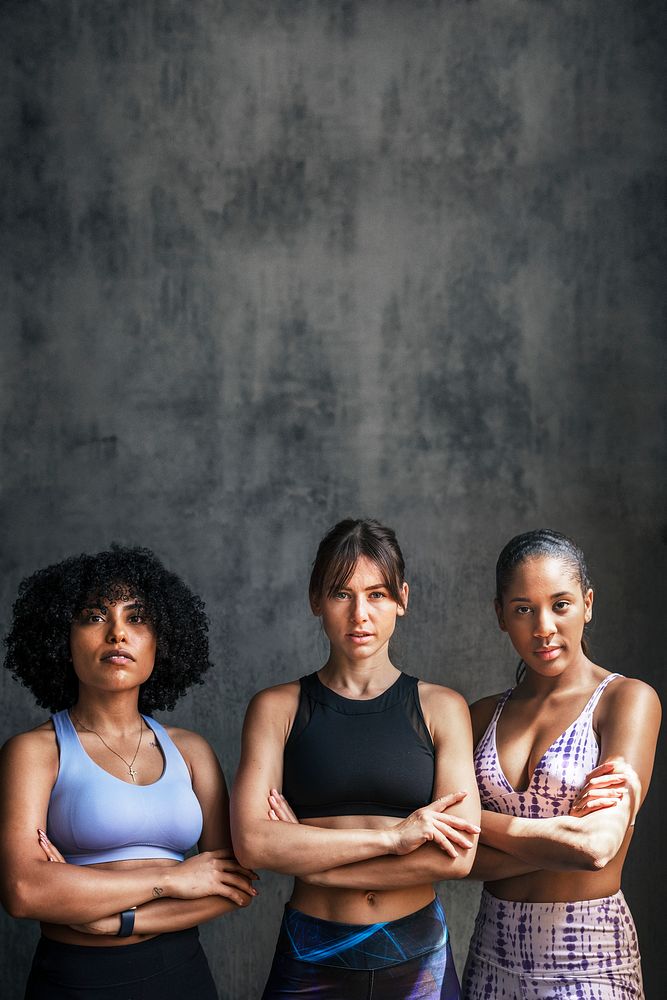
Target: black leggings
<point x="166" y="967"/>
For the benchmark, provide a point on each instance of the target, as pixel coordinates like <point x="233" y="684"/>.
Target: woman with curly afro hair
<point x="115" y="799"/>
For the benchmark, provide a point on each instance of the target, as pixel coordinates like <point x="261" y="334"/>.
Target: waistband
<point x="567" y="939"/>
<point x="75" y="964"/>
<point x="365" y="947"/>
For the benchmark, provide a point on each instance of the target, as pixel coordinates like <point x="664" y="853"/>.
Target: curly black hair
<point x="38" y="643"/>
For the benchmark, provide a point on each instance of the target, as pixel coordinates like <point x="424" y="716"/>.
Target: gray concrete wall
<point x="270" y="264"/>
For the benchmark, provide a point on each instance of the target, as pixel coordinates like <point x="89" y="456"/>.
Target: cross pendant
<point x="133" y="774"/>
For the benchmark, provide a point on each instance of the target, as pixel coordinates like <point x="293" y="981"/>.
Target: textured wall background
<point x="271" y="264"/>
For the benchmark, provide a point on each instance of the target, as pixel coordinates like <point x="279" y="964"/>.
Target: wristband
<point x="126" y="923"/>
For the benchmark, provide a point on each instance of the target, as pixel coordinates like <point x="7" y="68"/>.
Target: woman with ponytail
<point x="377" y="768"/>
<point x="563" y="762"/>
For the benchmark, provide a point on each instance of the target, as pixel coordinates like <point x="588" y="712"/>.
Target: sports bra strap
<point x="597" y="694"/>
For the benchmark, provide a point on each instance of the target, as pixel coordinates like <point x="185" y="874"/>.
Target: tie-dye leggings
<point x="553" y="951"/>
<point x="405" y="959"/>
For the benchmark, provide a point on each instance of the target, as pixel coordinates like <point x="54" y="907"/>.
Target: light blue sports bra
<point x="94" y="817"/>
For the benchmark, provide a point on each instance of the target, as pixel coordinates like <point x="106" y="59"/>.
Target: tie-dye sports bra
<point x="558" y="776"/>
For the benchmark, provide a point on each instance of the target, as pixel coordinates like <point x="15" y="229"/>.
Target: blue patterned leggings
<point x="405" y="959"/>
<point x="585" y="950"/>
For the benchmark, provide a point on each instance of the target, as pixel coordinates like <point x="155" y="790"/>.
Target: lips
<point x="358" y="638"/>
<point x="547" y="652"/>
<point x="118" y="656"/>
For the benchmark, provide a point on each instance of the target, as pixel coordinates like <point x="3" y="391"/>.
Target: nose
<point x="544" y="625"/>
<point x="115" y="630"/>
<point x="359" y="609"/>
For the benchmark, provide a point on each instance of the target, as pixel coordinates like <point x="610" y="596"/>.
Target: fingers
<point x="597" y="794"/>
<point x="461" y="824"/>
<point x="235" y="881"/>
<point x="453" y="835"/>
<point x="605" y="768"/>
<point x="444" y="844"/>
<point x="246" y="873"/>
<point x="280" y="807"/>
<point x="457" y="838"/>
<point x="607" y="780"/>
<point x="445" y="801"/>
<point x="52" y="852"/>
<point x="593" y="805"/>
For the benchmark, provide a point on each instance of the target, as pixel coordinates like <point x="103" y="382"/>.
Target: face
<point x="544" y="612"/>
<point x="360" y="619"/>
<point x="113" y="646"/>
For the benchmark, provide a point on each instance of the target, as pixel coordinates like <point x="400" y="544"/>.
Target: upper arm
<point x="267" y="725"/>
<point x="28" y="771"/>
<point x="208" y="784"/>
<point x="448" y="719"/>
<point x="628" y="721"/>
<point x="481" y="713"/>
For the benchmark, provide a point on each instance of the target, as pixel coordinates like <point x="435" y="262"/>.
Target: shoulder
<point x="189" y="743"/>
<point x="36" y="749"/>
<point x="435" y="696"/>
<point x="445" y="712"/>
<point x="280" y="698"/>
<point x="273" y="709"/>
<point x="36" y="740"/>
<point x="629" y="697"/>
<point x="481" y="713"/>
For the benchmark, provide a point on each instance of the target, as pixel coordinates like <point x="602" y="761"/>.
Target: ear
<point x="315" y="605"/>
<point x="588" y="605"/>
<point x="499" y="614"/>
<point x="405" y="590"/>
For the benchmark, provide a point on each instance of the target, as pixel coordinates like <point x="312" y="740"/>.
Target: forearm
<point x="161" y="916"/>
<point x="491" y="864"/>
<point x="72" y="894"/>
<point x="559" y="843"/>
<point x="426" y="864"/>
<point x="298" y="849"/>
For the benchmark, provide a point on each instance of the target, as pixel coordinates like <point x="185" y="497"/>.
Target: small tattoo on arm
<point x="157" y="891"/>
<point x="152" y="743"/>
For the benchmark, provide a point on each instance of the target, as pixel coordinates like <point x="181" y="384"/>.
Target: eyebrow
<point x="101" y="607"/>
<point x="376" y="586"/>
<point x="527" y="600"/>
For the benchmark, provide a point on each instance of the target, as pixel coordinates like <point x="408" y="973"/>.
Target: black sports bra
<point x="371" y="757"/>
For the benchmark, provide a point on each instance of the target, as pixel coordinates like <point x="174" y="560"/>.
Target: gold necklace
<point x="130" y="766"/>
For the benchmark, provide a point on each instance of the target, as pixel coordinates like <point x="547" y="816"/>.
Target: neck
<point x="359" y="676"/>
<point x="579" y="674"/>
<point x="112" y="713"/>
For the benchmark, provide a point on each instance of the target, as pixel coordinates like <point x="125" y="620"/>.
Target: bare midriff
<point x="563" y="887"/>
<point x="358" y="906"/>
<point x="67" y="935"/>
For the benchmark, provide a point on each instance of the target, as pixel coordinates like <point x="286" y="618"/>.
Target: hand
<point x="279" y="808"/>
<point x="51" y="851"/>
<point x="211" y="873"/>
<point x="605" y="786"/>
<point x="429" y="824"/>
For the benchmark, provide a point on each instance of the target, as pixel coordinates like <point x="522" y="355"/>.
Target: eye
<point x="137" y="618"/>
<point x="342" y="595"/>
<point x="523" y="610"/>
<point x="377" y="594"/>
<point x="561" y="605"/>
<point x="92" y="616"/>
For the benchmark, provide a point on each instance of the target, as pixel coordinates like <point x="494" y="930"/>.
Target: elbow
<point x="16" y="899"/>
<point x="462" y="865"/>
<point x="597" y="860"/>
<point x="248" y="849"/>
<point x="454" y="868"/>
<point x="595" y="855"/>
